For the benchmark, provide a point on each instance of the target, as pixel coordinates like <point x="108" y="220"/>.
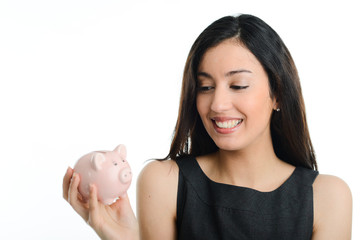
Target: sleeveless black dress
<point x="210" y="210"/>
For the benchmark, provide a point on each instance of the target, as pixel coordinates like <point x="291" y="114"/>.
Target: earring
<point x="278" y="109"/>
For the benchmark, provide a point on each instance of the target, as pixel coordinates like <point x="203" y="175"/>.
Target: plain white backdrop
<point x="78" y="76"/>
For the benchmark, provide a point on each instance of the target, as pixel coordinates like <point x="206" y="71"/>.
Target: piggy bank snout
<point x="125" y="175"/>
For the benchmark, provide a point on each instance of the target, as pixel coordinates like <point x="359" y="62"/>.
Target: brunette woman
<point x="241" y="164"/>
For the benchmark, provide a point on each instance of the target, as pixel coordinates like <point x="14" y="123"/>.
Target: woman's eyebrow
<point x="236" y="72"/>
<point x="204" y="74"/>
<point x="228" y="74"/>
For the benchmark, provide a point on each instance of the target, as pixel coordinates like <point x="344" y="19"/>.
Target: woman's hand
<point x="115" y="221"/>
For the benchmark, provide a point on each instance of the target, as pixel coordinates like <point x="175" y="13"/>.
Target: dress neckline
<point x="279" y="188"/>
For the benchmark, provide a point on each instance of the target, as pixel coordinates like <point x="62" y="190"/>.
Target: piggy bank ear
<point x="121" y="149"/>
<point x="97" y="160"/>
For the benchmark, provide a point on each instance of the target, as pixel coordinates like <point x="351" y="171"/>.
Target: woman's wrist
<point x="129" y="234"/>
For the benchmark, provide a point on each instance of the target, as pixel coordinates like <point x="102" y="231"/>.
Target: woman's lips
<point x="225" y="126"/>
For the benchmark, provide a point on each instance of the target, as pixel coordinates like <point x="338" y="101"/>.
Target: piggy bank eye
<point x="115" y="163"/>
<point x="123" y="160"/>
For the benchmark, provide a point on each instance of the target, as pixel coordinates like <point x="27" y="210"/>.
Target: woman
<point x="241" y="163"/>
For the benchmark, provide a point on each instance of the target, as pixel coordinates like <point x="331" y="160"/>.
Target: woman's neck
<point x="260" y="170"/>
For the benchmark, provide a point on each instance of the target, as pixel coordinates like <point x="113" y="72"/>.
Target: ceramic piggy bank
<point x="108" y="170"/>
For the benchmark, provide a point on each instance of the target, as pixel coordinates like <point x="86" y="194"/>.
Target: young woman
<point x="241" y="163"/>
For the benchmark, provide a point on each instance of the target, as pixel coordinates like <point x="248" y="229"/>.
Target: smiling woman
<point x="245" y="165"/>
<point x="289" y="131"/>
<point x="241" y="164"/>
<point x="237" y="107"/>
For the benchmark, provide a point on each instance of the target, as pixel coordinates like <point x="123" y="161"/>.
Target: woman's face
<point x="233" y="98"/>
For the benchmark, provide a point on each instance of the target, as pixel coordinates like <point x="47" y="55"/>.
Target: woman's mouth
<point x="226" y="126"/>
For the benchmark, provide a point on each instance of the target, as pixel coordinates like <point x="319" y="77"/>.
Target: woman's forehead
<point x="227" y="57"/>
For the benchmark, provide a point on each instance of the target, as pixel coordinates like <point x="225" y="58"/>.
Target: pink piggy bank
<point x="108" y="170"/>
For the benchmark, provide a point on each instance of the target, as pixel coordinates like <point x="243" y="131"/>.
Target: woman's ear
<point x="276" y="104"/>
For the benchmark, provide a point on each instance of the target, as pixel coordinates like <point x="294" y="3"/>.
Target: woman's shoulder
<point x="331" y="191"/>
<point x="156" y="170"/>
<point x="158" y="174"/>
<point x="332" y="207"/>
<point x="156" y="199"/>
<point x="329" y="185"/>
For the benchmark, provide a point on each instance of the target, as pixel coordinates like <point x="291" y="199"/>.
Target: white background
<point x="84" y="75"/>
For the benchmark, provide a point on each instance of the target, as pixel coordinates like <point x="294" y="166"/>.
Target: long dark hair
<point x="289" y="130"/>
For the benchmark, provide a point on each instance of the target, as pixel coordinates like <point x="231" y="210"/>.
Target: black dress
<point x="210" y="210"/>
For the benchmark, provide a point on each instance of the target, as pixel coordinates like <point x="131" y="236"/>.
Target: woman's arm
<point x="156" y="200"/>
<point x="332" y="209"/>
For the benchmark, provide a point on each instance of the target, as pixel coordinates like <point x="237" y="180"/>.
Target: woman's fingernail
<point x="73" y="176"/>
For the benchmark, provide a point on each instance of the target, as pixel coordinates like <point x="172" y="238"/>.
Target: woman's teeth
<point x="228" y="124"/>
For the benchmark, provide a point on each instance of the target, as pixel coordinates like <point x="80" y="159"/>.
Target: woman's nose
<point x="221" y="101"/>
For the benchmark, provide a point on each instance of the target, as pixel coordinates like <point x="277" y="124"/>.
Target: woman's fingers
<point x="93" y="201"/>
<point x="122" y="204"/>
<point x="73" y="197"/>
<point x="93" y="206"/>
<point x="66" y="182"/>
<point x="98" y="216"/>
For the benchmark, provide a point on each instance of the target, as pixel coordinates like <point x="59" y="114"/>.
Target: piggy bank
<point x="107" y="170"/>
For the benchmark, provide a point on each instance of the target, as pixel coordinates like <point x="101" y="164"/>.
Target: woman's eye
<point x="205" y="88"/>
<point x="236" y="87"/>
